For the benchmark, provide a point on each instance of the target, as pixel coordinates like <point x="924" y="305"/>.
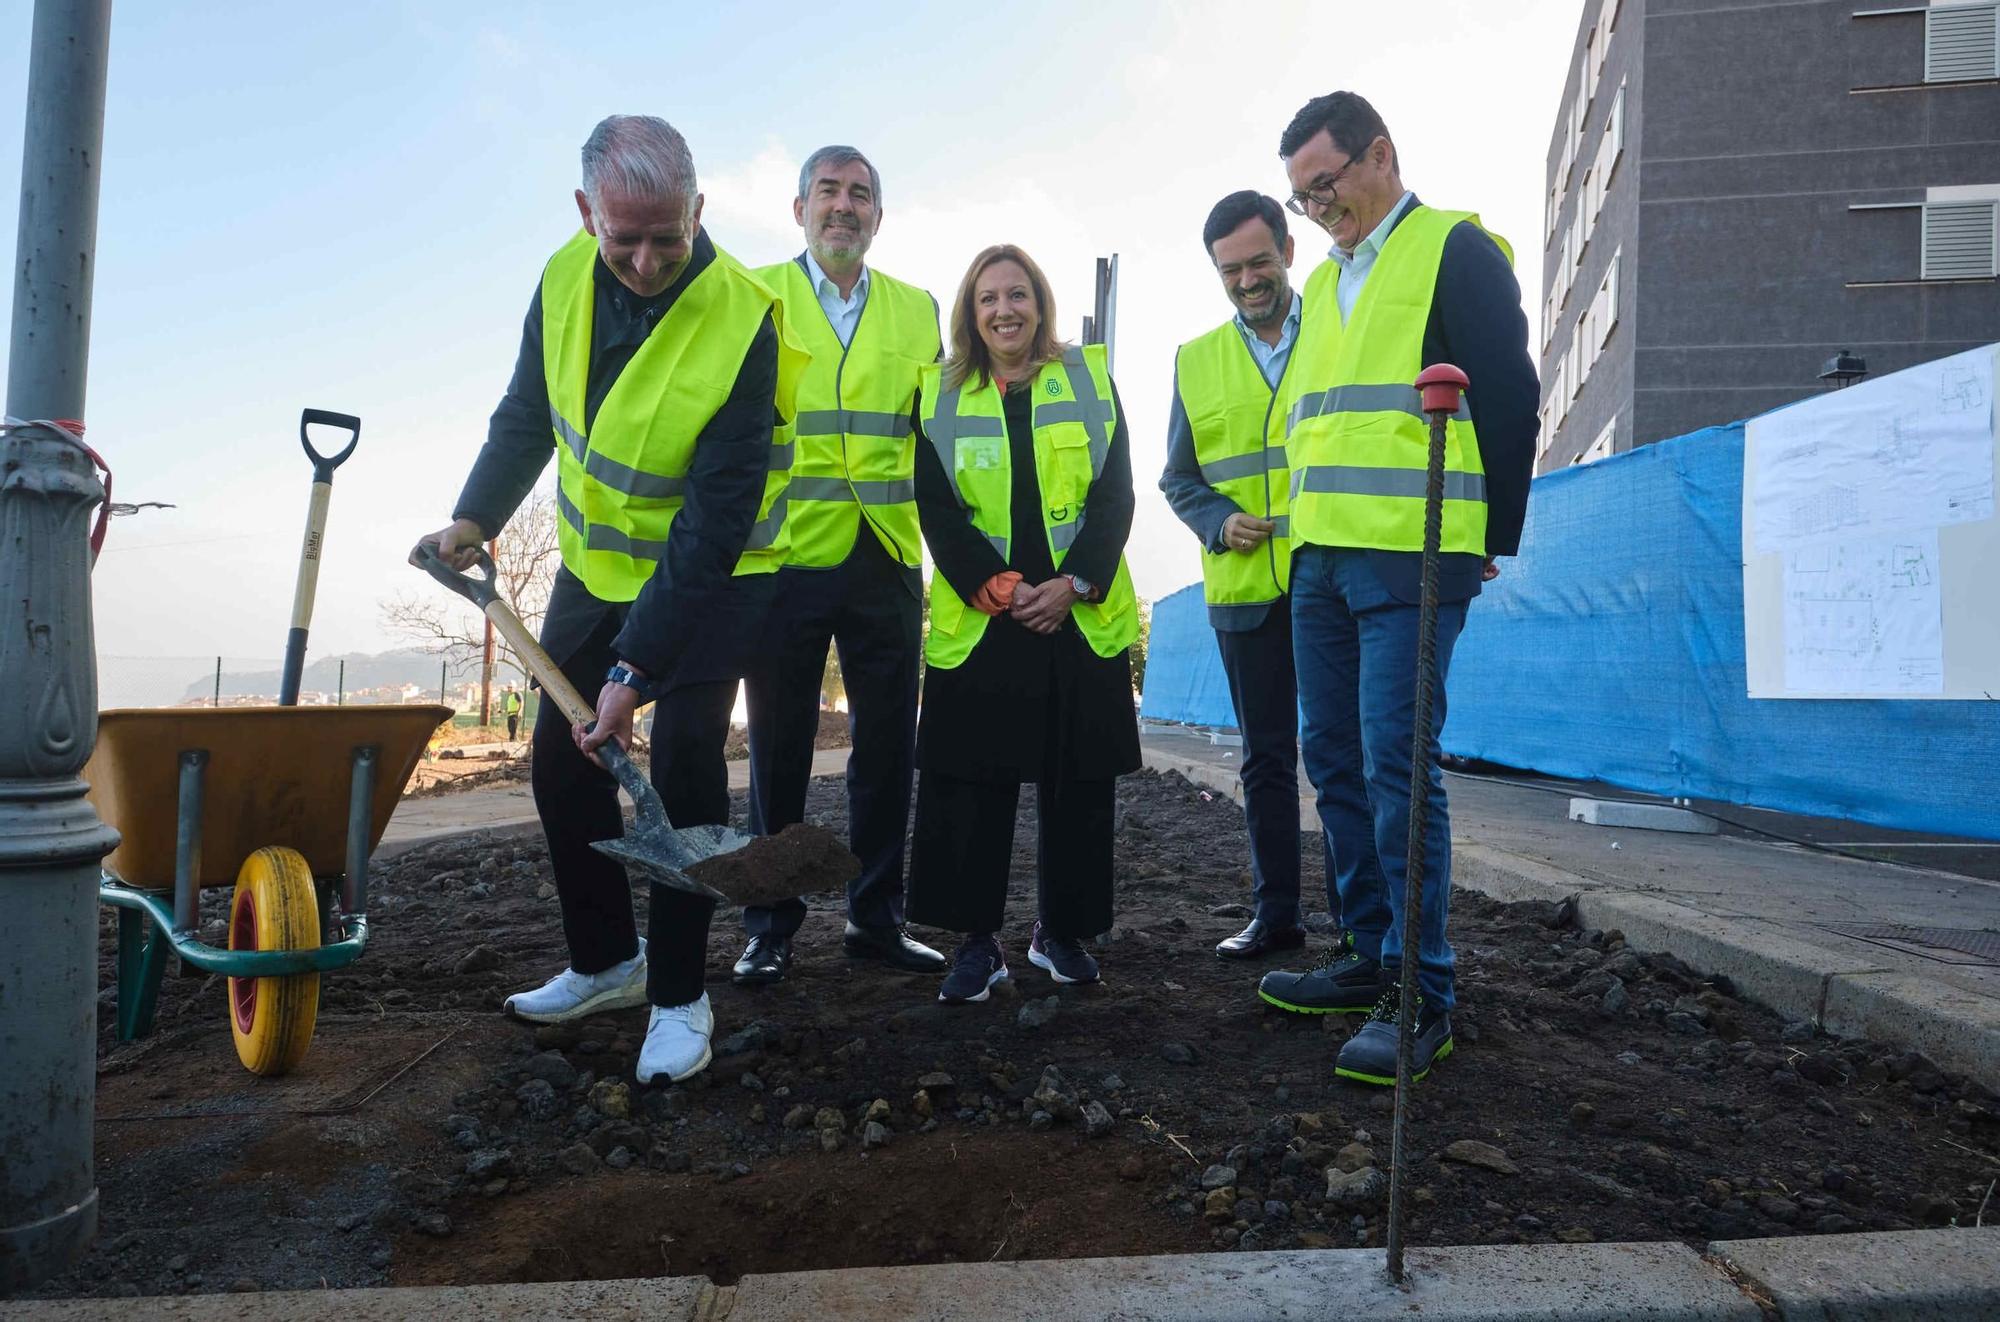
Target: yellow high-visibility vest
<point x="856" y="450"/>
<point x="621" y="482"/>
<point x="1356" y="433"/>
<point x="1074" y="419"/>
<point x="1238" y="425"/>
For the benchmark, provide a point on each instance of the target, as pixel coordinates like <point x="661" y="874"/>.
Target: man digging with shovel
<point x="656" y="368"/>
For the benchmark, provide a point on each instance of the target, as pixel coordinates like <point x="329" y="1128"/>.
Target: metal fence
<point x="225" y="681"/>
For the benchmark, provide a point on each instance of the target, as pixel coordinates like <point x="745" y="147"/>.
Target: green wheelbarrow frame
<point x="153" y="921"/>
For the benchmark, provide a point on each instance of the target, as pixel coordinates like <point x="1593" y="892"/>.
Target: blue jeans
<point x="1355" y="648"/>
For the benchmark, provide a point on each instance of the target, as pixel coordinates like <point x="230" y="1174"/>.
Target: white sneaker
<point x="677" y="1041"/>
<point x="572" y="995"/>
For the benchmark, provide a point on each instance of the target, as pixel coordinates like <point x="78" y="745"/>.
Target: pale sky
<point x="348" y="207"/>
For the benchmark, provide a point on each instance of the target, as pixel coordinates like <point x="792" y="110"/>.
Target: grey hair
<point x="837" y="157"/>
<point x="640" y="155"/>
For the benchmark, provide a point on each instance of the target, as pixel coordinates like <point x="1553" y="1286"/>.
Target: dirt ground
<point x="849" y="1119"/>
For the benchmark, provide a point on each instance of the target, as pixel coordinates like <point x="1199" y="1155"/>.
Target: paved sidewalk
<point x="1761" y="912"/>
<point x="420" y="821"/>
<point x="1842" y="1278"/>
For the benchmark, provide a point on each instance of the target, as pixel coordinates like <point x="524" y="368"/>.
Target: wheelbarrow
<point x="286" y="804"/>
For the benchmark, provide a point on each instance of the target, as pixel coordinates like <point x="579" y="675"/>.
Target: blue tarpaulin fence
<point x="1611" y="649"/>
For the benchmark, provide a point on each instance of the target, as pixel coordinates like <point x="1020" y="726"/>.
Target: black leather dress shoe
<point x="894" y="947"/>
<point x="765" y="959"/>
<point x="1260" y="939"/>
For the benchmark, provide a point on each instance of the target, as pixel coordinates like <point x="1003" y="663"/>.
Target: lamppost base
<point x="27" y="1253"/>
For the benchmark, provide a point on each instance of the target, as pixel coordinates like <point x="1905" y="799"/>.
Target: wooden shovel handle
<point x="540" y="665"/>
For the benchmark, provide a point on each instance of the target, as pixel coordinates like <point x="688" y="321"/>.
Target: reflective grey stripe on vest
<point x="998" y="543"/>
<point x="1243" y="465"/>
<point x="764" y="532"/>
<point x="570" y="435"/>
<point x="1343" y="480"/>
<point x="1064" y="535"/>
<point x="1283" y="526"/>
<point x="893" y="492"/>
<point x="944" y="429"/>
<point x="604" y="537"/>
<point x="601" y="537"/>
<point x="1092" y="412"/>
<point x="1241" y="614"/>
<point x="781" y="459"/>
<point x="617" y="476"/>
<point x="1363" y="399"/>
<point x="853" y="422"/>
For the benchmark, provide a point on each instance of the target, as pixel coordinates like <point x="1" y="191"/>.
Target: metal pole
<point x="443" y="666"/>
<point x="340" y="694"/>
<point x="51" y="841"/>
<point x="216" y="701"/>
<point x="1433" y="380"/>
<point x="486" y="665"/>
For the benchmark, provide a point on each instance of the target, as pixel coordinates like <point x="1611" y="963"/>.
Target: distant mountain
<point x="323" y="675"/>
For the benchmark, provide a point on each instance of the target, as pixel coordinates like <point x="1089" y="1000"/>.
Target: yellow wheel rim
<point x="274" y="908"/>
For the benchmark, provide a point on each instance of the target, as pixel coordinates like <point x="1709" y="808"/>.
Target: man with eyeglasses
<point x="1227" y="480"/>
<point x="1407" y="286"/>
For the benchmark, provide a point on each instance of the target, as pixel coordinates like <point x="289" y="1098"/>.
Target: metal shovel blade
<point x="663" y="854"/>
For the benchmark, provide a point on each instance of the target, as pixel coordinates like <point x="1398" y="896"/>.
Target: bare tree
<point x="524" y="564"/>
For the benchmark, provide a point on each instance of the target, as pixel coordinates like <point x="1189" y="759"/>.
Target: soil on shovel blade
<point x="849" y="1119"/>
<point x="802" y="859"/>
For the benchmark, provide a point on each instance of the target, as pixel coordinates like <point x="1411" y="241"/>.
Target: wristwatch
<point x="630" y="678"/>
<point x="1084" y="587"/>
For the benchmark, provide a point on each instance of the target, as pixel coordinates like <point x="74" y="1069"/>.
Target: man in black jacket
<point x="1354" y="603"/>
<point x="639" y="201"/>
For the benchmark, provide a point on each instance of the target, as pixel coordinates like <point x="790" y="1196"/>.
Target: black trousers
<point x="1263" y="687"/>
<point x="964" y="842"/>
<point x="513" y="725"/>
<point x="866" y="607"/>
<point x="578" y="803"/>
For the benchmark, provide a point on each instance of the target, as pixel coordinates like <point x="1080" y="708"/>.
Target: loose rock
<point x="1471" y="1152"/>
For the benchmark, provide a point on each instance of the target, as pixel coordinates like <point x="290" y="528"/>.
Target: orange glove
<point x="996" y="594"/>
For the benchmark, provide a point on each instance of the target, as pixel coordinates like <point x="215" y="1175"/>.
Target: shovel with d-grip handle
<point x="322" y="493"/>
<point x="653" y="845"/>
<point x="1442" y="385"/>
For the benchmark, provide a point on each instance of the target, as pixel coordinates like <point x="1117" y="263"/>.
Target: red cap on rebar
<point x="1442" y="384"/>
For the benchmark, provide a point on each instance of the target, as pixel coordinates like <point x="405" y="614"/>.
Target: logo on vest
<point x="1054" y="387"/>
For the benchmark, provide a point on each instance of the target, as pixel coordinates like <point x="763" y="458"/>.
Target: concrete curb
<point x="1846" y="1278"/>
<point x="1838" y="991"/>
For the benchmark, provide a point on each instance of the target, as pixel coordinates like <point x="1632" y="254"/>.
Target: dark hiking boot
<point x="1370" y="1055"/>
<point x="1344" y="981"/>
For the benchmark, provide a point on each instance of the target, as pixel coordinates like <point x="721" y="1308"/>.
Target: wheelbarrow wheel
<point x="275" y="908"/>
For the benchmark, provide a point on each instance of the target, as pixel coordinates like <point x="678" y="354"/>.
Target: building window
<point x="1959" y="240"/>
<point x="1607" y="19"/>
<point x="1612" y="146"/>
<point x="1605" y="305"/>
<point x="1548" y="433"/>
<point x="1960" y="45"/>
<point x="1593" y="63"/>
<point x="1601" y="448"/>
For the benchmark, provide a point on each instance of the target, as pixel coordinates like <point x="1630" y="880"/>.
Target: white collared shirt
<point x="1271" y="358"/>
<point x="1355" y="266"/>
<point x="843" y="313"/>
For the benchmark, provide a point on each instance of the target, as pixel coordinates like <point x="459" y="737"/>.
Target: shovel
<point x="308" y="584"/>
<point x="654" y="846"/>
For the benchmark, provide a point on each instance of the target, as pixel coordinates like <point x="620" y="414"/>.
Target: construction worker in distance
<point x="658" y="371"/>
<point x="853" y="574"/>
<point x="1407" y="286"/>
<point x="511" y="705"/>
<point x="1227" y="480"/>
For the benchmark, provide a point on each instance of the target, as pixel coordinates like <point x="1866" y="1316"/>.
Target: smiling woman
<point x="1024" y="489"/>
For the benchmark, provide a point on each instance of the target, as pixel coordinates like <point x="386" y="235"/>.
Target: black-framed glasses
<point x="1323" y="192"/>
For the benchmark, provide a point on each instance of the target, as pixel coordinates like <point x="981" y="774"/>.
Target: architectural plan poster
<point x="1869" y="542"/>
